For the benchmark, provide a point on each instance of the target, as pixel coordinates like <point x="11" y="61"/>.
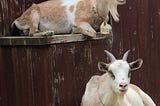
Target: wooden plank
<point x="42" y="69"/>
<point x="9" y="11"/>
<point x="3" y="82"/>
<point x="44" y="40"/>
<point x="15" y="41"/>
<point x="8" y="89"/>
<point x="72" y="38"/>
<point x="63" y="74"/>
<point x="23" y="79"/>
<point x="83" y="67"/>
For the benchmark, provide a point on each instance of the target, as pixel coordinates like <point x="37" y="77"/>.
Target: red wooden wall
<point x="55" y="75"/>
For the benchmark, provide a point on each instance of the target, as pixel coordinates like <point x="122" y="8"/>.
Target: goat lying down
<point x="67" y="16"/>
<point x="113" y="88"/>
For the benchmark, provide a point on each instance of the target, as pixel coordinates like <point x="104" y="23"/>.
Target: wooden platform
<point x="45" y="40"/>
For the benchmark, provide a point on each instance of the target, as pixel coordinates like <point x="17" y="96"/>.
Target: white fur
<point x="106" y="90"/>
<point x="93" y="95"/>
<point x="35" y="18"/>
<point x="68" y="4"/>
<point x="135" y="98"/>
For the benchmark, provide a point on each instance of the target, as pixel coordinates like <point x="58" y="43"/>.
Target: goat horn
<point x="110" y="55"/>
<point x="126" y="55"/>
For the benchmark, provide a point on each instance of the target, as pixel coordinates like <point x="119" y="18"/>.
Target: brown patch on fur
<point x="46" y="11"/>
<point x="52" y="10"/>
<point x="83" y="12"/>
<point x="26" y="18"/>
<point x="71" y="8"/>
<point x="87" y="12"/>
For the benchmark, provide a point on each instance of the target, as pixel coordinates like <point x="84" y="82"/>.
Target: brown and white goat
<point x="68" y="16"/>
<point x="113" y="88"/>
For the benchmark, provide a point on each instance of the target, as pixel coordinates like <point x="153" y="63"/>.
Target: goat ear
<point x="136" y="64"/>
<point x="103" y="66"/>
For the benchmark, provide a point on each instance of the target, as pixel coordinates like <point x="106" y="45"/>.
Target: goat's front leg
<point x="44" y="33"/>
<point x="84" y="28"/>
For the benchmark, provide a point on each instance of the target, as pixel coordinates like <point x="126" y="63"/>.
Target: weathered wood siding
<point x="139" y="30"/>
<point x="55" y="75"/>
<point x="52" y="75"/>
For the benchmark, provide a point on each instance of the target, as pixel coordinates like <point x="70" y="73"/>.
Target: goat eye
<point x="129" y="74"/>
<point x="111" y="74"/>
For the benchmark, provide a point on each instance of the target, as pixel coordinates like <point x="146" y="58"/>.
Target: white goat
<point x="114" y="88"/>
<point x="67" y="16"/>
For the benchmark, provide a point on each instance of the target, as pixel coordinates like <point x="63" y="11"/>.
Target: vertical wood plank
<point x="22" y="63"/>
<point x="8" y="89"/>
<point x="42" y="79"/>
<point x="3" y="90"/>
<point x="10" y="10"/>
<point x="64" y="74"/>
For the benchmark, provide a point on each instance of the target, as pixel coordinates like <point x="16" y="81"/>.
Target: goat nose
<point x="123" y="85"/>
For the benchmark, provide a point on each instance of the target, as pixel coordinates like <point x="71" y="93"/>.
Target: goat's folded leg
<point x="84" y="28"/>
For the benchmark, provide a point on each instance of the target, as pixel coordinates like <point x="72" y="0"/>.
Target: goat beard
<point x="113" y="10"/>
